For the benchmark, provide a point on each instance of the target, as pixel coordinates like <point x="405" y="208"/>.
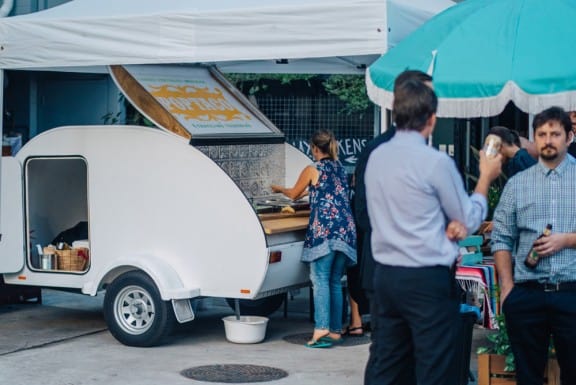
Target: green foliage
<point x="111" y="118"/>
<point x="133" y="116"/>
<point x="252" y="84"/>
<point x="500" y="344"/>
<point x="351" y="89"/>
<point x="494" y="193"/>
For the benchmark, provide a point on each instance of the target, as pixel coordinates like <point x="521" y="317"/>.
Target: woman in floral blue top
<point x="330" y="244"/>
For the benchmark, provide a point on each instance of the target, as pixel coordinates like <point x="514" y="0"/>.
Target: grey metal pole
<point x="1" y="133"/>
<point x="380" y="122"/>
<point x="467" y="152"/>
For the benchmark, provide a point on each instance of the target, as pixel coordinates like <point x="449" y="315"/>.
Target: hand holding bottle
<point x="551" y="244"/>
<point x="539" y="248"/>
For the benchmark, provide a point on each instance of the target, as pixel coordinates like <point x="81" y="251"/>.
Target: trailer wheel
<point x="261" y="307"/>
<point x="134" y="311"/>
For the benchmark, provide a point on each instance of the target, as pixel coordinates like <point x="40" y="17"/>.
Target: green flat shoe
<point x="318" y="344"/>
<point x="333" y="341"/>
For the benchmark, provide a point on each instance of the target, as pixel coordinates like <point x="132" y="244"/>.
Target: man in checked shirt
<point x="540" y="302"/>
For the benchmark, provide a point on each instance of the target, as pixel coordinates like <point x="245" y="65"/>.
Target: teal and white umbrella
<point x="485" y="53"/>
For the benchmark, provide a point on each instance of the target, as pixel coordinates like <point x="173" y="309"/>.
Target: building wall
<point x="74" y="99"/>
<point x="38" y="101"/>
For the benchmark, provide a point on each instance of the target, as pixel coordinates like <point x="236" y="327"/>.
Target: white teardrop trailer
<point x="166" y="225"/>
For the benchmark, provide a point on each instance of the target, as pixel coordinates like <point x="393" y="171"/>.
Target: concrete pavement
<point x="65" y="342"/>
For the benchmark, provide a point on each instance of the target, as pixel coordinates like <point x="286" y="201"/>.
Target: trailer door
<point x="12" y="217"/>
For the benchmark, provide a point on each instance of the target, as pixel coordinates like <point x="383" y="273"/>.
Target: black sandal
<point x="349" y="331"/>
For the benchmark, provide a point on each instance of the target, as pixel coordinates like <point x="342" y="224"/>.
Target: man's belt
<point x="560" y="286"/>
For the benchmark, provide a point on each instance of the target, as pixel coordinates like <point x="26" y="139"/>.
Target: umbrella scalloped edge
<point x="483" y="107"/>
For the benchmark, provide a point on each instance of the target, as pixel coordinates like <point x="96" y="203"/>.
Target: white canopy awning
<point x="93" y="33"/>
<point x="307" y="34"/>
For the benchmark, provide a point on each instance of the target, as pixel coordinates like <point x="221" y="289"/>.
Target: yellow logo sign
<point x="197" y="103"/>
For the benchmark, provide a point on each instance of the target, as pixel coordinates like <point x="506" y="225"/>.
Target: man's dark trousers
<point x="532" y="315"/>
<point x="418" y="323"/>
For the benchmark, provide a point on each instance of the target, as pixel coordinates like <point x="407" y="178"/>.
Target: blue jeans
<point x="326" y="275"/>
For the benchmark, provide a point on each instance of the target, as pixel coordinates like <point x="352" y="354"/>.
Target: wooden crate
<point x="491" y="371"/>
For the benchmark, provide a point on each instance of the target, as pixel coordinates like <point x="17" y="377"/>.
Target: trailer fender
<point x="164" y="276"/>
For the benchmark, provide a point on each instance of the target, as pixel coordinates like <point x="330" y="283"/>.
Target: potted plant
<point x="496" y="361"/>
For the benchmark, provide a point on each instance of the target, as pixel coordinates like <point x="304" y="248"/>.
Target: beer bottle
<point x="533" y="258"/>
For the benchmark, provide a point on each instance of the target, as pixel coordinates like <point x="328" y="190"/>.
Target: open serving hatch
<point x="196" y="102"/>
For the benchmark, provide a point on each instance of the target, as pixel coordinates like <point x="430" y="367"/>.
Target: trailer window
<point x="57" y="217"/>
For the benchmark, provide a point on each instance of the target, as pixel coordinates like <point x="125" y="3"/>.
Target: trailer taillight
<point x="275" y="256"/>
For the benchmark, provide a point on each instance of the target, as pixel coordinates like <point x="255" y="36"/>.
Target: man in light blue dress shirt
<point x="540" y="301"/>
<point x="413" y="191"/>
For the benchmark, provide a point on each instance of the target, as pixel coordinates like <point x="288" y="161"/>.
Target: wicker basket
<point x="72" y="259"/>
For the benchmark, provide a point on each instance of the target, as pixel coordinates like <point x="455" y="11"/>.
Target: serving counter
<point x="275" y="223"/>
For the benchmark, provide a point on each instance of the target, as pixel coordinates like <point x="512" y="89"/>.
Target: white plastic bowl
<point x="246" y="330"/>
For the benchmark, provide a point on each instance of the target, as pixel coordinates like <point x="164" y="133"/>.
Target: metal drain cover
<point x="301" y="339"/>
<point x="234" y="374"/>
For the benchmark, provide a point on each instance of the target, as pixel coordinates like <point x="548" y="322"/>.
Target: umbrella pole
<point x="380" y="121"/>
<point x="530" y="129"/>
<point x="2" y="117"/>
<point x="467" y="152"/>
